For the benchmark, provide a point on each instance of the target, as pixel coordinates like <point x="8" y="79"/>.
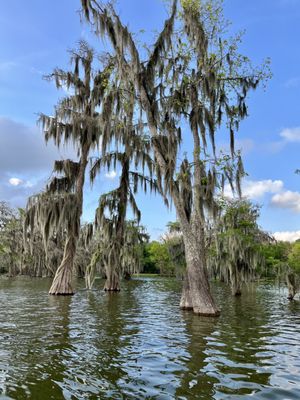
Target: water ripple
<point x="138" y="345"/>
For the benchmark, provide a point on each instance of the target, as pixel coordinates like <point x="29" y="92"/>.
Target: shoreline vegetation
<point x="263" y="259"/>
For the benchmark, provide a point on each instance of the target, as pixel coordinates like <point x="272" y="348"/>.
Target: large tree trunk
<point x="235" y="283"/>
<point x="291" y="284"/>
<point x="196" y="293"/>
<point x="112" y="283"/>
<point x="12" y="268"/>
<point x="62" y="282"/>
<point x="127" y="276"/>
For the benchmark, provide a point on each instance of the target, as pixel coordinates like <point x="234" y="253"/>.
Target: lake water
<point x="138" y="344"/>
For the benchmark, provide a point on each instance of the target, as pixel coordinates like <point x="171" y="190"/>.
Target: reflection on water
<point x="138" y="345"/>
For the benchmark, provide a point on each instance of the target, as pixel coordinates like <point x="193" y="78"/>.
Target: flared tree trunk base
<point x="292" y="294"/>
<point x="186" y="301"/>
<point x="127" y="276"/>
<point x="291" y="284"/>
<point x="62" y="282"/>
<point x="202" y="311"/>
<point x="196" y="297"/>
<point x="112" y="284"/>
<point x="62" y="286"/>
<point x="196" y="294"/>
<point x="236" y="290"/>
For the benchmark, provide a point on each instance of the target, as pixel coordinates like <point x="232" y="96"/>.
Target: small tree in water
<point x="113" y="206"/>
<point x="190" y="74"/>
<point x="236" y="254"/>
<point x="292" y="270"/>
<point x="115" y="260"/>
<point x="76" y="121"/>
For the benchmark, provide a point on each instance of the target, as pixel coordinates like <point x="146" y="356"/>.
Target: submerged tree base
<point x="112" y="283"/>
<point x="199" y="309"/>
<point x="62" y="283"/>
<point x="196" y="295"/>
<point x="237" y="293"/>
<point x="202" y="312"/>
<point x="112" y="287"/>
<point x="61" y="294"/>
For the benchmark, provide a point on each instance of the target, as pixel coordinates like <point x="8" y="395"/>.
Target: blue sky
<point x="34" y="39"/>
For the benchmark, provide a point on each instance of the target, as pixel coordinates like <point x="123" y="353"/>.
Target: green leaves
<point x="294" y="257"/>
<point x="237" y="249"/>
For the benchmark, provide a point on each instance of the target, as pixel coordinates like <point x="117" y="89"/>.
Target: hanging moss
<point x="236" y="255"/>
<point x="190" y="74"/>
<point x="77" y="120"/>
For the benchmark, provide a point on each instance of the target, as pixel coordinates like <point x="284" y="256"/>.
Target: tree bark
<point x="112" y="283"/>
<point x="62" y="282"/>
<point x="127" y="276"/>
<point x="291" y="284"/>
<point x="235" y="283"/>
<point x="196" y="293"/>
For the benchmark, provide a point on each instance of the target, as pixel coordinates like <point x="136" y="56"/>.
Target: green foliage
<point x="11" y="239"/>
<point x="236" y="254"/>
<point x="166" y="257"/>
<point x="191" y="5"/>
<point x="149" y="265"/>
<point x="294" y="258"/>
<point x="276" y="257"/>
<point x="123" y="256"/>
<point x="158" y="258"/>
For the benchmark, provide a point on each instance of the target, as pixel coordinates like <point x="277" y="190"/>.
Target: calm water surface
<point x="139" y="345"/>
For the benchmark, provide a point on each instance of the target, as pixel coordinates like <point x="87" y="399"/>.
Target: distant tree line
<point x="239" y="251"/>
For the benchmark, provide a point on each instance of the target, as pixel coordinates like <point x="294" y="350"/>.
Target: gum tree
<point x="191" y="80"/>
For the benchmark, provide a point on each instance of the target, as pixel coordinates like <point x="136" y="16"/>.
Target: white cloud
<point x="15" y="181"/>
<point x="288" y="135"/>
<point x="7" y="65"/>
<point x="291" y="134"/>
<point x="287" y="199"/>
<point x="111" y="174"/>
<point x="29" y="184"/>
<point x="257" y="189"/>
<point x="25" y="161"/>
<point x="245" y="145"/>
<point x="288" y="236"/>
<point x="275" y="147"/>
<point x="292" y="83"/>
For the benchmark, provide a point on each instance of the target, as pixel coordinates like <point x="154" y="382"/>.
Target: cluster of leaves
<point x="156" y="259"/>
<point x="283" y="263"/>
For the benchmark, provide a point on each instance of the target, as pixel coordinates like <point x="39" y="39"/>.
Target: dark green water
<point x="139" y="345"/>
